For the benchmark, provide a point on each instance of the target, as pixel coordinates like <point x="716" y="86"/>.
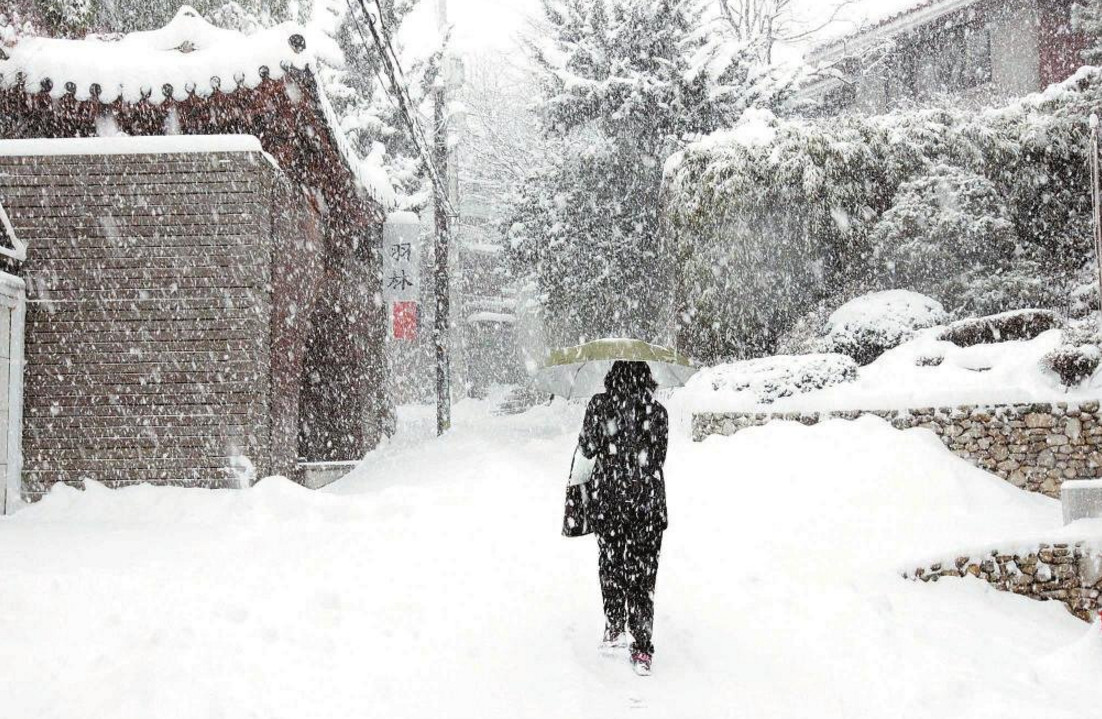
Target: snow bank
<point x="438" y="563"/>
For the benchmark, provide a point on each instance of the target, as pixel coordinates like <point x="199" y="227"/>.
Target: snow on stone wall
<point x="1063" y="572"/>
<point x="1033" y="446"/>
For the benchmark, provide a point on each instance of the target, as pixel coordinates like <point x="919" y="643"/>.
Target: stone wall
<point x="1071" y="574"/>
<point x="1033" y="446"/>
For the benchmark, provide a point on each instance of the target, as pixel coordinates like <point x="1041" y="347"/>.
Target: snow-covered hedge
<point x="867" y="326"/>
<point x="1012" y="326"/>
<point x="1073" y="365"/>
<point x="772" y="378"/>
<point x="767" y="229"/>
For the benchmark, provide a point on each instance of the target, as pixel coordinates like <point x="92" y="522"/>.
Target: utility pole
<point x="1096" y="196"/>
<point x="436" y="159"/>
<point x="442" y="316"/>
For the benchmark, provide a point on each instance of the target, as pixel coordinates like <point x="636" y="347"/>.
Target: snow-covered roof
<point x="10" y="245"/>
<point x="491" y="318"/>
<point x="888" y="19"/>
<point x="188" y="58"/>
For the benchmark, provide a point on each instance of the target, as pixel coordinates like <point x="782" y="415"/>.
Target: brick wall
<point x="158" y="344"/>
<point x="1034" y="446"/>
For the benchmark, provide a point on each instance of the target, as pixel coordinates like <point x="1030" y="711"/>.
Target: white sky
<point x="494" y="25"/>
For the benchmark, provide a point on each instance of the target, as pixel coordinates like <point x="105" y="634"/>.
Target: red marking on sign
<point x="405" y="321"/>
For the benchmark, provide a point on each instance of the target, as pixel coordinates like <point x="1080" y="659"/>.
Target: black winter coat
<point x="628" y="436"/>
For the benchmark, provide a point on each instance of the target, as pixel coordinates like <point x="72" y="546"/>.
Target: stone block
<point x="1081" y="499"/>
<point x="1038" y="420"/>
<point x="1090" y="570"/>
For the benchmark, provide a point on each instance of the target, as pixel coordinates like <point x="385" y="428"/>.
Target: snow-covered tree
<point x="1087" y="19"/>
<point x="67" y="18"/>
<point x="244" y="15"/>
<point x="369" y="116"/>
<point x="761" y="24"/>
<point x="946" y="222"/>
<point x="19" y="17"/>
<point x="774" y="218"/>
<point x="503" y="142"/>
<point x="625" y="83"/>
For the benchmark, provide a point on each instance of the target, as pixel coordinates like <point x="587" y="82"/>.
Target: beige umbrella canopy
<point x="580" y="371"/>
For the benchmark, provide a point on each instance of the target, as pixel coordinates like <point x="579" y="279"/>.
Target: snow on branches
<point x="624" y="84"/>
<point x="985" y="211"/>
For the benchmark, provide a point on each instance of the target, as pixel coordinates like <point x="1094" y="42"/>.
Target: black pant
<point x="629" y="566"/>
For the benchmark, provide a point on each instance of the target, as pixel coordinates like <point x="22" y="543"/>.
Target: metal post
<point x="1096" y="196"/>
<point x="441" y="284"/>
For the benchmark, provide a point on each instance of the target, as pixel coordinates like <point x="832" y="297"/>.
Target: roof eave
<point x="869" y="38"/>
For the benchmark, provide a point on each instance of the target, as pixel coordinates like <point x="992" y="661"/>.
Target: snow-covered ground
<point x="433" y="583"/>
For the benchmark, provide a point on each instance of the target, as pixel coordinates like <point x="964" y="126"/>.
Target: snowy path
<point x="433" y="583"/>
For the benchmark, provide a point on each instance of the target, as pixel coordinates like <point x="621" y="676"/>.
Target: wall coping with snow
<point x="126" y="145"/>
<point x="1034" y="446"/>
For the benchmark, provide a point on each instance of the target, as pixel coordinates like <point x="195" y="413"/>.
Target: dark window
<point x="961" y="58"/>
<point x="902" y="75"/>
<point x="978" y="48"/>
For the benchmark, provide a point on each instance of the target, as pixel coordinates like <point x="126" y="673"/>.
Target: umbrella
<point x="580" y="371"/>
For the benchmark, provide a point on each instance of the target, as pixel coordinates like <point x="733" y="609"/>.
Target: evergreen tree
<point x="67" y="18"/>
<point x="245" y="15"/>
<point x="1087" y="19"/>
<point x="18" y="17"/>
<point x="625" y="83"/>
<point x="369" y="116"/>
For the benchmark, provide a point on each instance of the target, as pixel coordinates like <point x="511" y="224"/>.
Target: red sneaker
<point x="640" y="662"/>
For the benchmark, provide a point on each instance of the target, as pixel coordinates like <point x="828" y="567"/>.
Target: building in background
<point x="192" y="316"/>
<point x="488" y="309"/>
<point x="977" y="52"/>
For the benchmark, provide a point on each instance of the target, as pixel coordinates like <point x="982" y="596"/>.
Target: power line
<point x="393" y="67"/>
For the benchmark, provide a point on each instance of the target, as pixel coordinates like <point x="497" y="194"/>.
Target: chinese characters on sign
<point x="402" y="272"/>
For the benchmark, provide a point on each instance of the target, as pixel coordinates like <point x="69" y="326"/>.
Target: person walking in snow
<point x="626" y="432"/>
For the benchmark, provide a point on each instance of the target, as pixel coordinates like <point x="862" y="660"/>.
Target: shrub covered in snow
<point x="1073" y="365"/>
<point x="1004" y="327"/>
<point x="1078" y="358"/>
<point x="940" y="225"/>
<point x="1020" y="284"/>
<point x="771" y="378"/>
<point x="765" y="230"/>
<point x="866" y="327"/>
